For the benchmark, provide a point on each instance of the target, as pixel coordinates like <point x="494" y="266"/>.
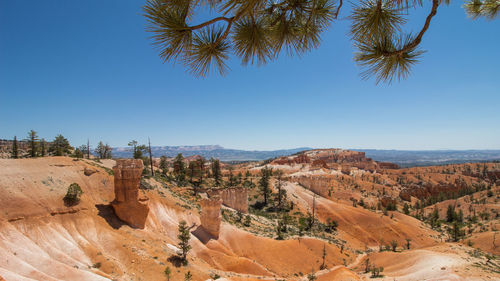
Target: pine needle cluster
<point x="257" y="31"/>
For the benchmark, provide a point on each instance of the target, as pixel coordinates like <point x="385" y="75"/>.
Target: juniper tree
<point x="15" y="149"/>
<point x="258" y="31"/>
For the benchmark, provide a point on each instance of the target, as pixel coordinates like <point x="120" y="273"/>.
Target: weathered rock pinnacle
<point x="128" y="205"/>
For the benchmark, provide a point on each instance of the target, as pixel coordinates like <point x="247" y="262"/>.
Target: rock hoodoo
<point x="233" y="197"/>
<point x="210" y="215"/>
<point x="128" y="205"/>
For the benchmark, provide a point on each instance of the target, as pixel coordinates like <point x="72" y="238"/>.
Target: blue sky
<point x="86" y="69"/>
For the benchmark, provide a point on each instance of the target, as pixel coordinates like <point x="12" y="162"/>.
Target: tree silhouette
<point x="15" y="149"/>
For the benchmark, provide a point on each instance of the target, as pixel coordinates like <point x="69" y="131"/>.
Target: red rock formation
<point x="386" y="200"/>
<point x="319" y="164"/>
<point x="387" y="165"/>
<point x="236" y="198"/>
<point x="128" y="205"/>
<point x="346" y="170"/>
<point x="331" y="158"/>
<point x="319" y="184"/>
<point x="233" y="197"/>
<point x="210" y="215"/>
<point x="426" y="190"/>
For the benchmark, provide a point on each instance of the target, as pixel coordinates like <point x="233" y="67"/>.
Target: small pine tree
<point x="43" y="148"/>
<point x="78" y="153"/>
<point x="376" y="272"/>
<point x="216" y="173"/>
<point x="103" y="151"/>
<point x="179" y="169"/>
<point x="248" y="221"/>
<point x="311" y="277"/>
<point x="163" y="165"/>
<point x="456" y="231"/>
<point x="264" y="183"/>
<point x="450" y="214"/>
<point x="408" y="240"/>
<point x="184" y="237"/>
<point x="33" y="139"/>
<point x="60" y="146"/>
<point x="367" y="265"/>
<point x="394" y="245"/>
<point x="15" y="150"/>
<point x="460" y="216"/>
<point x="323" y="264"/>
<point x="188" y="276"/>
<point x="406" y="209"/>
<point x="167" y="272"/>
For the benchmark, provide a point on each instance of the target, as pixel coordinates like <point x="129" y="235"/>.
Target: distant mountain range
<point x="208" y="151"/>
<point x="404" y="158"/>
<point x="410" y="158"/>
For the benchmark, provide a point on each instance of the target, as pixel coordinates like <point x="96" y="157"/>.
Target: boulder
<point x="88" y="171"/>
<point x="129" y="206"/>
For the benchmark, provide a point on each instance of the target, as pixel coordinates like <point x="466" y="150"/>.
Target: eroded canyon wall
<point x="319" y="184"/>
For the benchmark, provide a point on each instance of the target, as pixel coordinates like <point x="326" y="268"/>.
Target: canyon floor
<point x="41" y="238"/>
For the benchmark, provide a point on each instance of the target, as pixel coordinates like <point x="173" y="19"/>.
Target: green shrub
<point x="73" y="194"/>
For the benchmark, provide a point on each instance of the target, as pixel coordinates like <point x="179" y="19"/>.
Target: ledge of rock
<point x="129" y="206"/>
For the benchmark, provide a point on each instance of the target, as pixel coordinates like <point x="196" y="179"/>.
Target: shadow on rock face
<point x="107" y="212"/>
<point x="202" y="235"/>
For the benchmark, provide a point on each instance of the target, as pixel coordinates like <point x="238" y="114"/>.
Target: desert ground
<point x="43" y="238"/>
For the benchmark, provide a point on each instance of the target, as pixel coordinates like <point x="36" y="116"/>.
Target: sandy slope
<point x="361" y="227"/>
<point x="41" y="239"/>
<point x="440" y="262"/>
